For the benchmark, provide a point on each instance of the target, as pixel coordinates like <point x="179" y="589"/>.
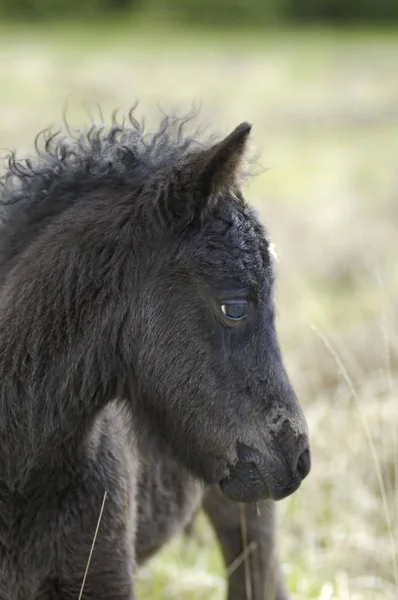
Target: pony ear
<point x="191" y="187"/>
<point x="218" y="169"/>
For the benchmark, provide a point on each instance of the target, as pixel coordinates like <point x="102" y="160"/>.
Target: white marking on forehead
<point x="272" y="251"/>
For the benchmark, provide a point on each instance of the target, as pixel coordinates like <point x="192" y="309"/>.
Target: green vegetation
<point x="324" y="106"/>
<point x="209" y="12"/>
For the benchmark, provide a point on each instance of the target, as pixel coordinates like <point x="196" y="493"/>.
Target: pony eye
<point x="235" y="311"/>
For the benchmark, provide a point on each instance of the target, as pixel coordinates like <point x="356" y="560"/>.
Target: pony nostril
<point x="303" y="464"/>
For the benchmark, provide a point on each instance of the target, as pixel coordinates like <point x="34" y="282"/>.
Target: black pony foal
<point x="138" y="357"/>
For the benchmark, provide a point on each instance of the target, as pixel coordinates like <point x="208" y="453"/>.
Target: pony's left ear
<point x="219" y="168"/>
<point x="193" y="186"/>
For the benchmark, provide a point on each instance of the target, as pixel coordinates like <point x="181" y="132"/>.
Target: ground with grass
<point x="324" y="106"/>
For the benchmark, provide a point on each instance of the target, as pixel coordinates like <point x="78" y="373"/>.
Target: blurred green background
<point x="319" y="81"/>
<point x="211" y="12"/>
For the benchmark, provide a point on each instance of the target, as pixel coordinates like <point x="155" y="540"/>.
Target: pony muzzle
<point x="257" y="477"/>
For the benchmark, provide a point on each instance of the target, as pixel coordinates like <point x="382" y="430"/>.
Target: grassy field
<point x="324" y="106"/>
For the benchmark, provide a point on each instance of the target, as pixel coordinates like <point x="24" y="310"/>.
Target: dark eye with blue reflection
<point x="234" y="311"/>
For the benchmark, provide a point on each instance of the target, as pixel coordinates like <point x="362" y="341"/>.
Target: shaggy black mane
<point x="71" y="163"/>
<point x="120" y="150"/>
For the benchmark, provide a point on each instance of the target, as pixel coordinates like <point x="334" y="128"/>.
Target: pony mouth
<point x="253" y="478"/>
<point x="244" y="484"/>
